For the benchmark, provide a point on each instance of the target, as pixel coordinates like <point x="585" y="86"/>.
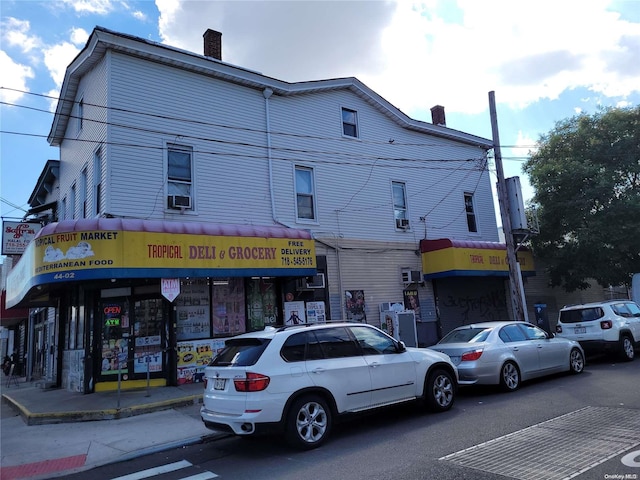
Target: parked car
<point x="299" y="379"/>
<point x="508" y="353"/>
<point x="603" y="327"/>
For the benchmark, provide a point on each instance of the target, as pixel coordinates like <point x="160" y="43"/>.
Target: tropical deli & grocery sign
<point x="78" y="254"/>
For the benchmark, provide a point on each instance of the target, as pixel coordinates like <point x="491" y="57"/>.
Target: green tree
<point x="586" y="176"/>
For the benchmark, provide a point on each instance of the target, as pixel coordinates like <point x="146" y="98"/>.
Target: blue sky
<point x="545" y="60"/>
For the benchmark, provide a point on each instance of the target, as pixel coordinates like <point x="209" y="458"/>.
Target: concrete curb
<point x="49" y="418"/>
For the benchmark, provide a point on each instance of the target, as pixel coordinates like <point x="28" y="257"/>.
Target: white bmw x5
<point x="299" y="379"/>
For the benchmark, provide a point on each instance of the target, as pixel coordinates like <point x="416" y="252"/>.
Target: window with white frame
<point x="470" y="212"/>
<point x="305" y="193"/>
<point x="83" y="193"/>
<point x="72" y="202"/>
<point x="349" y="123"/>
<point x="179" y="176"/>
<point x="97" y="181"/>
<point x="399" y="191"/>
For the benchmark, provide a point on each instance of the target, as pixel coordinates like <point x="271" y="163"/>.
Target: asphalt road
<point x="406" y="443"/>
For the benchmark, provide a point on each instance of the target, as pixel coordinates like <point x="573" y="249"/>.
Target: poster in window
<point x="412" y="302"/>
<point x="294" y="313"/>
<point x="194" y="356"/>
<point x="316" y="312"/>
<point x="261" y="304"/>
<point x="193" y="311"/>
<point x="228" y="308"/>
<point x="355" y="306"/>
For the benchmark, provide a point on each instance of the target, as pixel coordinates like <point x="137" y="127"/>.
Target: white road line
<point x="201" y="476"/>
<point x="171" y="467"/>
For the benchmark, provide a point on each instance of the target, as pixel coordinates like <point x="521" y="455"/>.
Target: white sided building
<point x="199" y="199"/>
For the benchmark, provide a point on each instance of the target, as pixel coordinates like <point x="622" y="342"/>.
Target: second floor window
<point x="470" y="212"/>
<point x="305" y="197"/>
<point x="179" y="171"/>
<point x="399" y="190"/>
<point x="349" y="123"/>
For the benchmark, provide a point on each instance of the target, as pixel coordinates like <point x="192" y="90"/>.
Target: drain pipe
<point x="267" y="92"/>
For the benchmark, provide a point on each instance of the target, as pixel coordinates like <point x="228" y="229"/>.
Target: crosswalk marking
<point x="170" y="467"/>
<point x="201" y="476"/>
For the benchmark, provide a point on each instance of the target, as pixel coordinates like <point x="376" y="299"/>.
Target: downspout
<point x="267" y="92"/>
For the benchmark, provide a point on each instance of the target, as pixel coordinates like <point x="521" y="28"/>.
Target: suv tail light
<point x="253" y="382"/>
<point x="558" y="328"/>
<point x="606" y="324"/>
<point x="471" y="356"/>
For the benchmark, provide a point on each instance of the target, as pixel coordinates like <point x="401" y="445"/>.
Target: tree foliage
<point x="586" y="176"/>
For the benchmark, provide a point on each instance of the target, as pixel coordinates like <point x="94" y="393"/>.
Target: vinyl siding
<point x="76" y="151"/>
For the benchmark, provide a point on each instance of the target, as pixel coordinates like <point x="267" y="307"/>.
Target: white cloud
<point x="418" y="54"/>
<point x="16" y="34"/>
<point x="79" y="36"/>
<point x="56" y="59"/>
<point x="13" y="76"/>
<point x="100" y="7"/>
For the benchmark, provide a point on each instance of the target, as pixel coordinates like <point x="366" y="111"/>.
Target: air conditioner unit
<point x="310" y="283"/>
<point x="402" y="223"/>
<point x="316" y="281"/>
<point x="411" y="276"/>
<point x="179" y="202"/>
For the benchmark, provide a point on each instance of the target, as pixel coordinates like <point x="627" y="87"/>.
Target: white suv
<point x="603" y="327"/>
<point x="299" y="379"/>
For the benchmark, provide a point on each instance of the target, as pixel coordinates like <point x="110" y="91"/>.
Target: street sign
<point x="170" y="288"/>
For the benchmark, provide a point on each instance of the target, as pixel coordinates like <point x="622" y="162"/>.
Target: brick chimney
<point x="213" y="44"/>
<point x="437" y="116"/>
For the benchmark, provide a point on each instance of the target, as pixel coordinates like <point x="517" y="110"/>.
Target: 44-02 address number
<point x="64" y="276"/>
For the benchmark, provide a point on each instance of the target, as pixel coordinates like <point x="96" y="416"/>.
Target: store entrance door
<point x="134" y="333"/>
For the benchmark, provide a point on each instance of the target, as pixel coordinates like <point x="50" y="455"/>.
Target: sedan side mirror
<point x="401" y="347"/>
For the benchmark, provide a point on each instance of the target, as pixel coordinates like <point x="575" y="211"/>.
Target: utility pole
<point x="515" y="277"/>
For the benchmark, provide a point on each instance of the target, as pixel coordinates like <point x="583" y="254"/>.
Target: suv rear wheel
<point x="308" y="423"/>
<point x="626" y="348"/>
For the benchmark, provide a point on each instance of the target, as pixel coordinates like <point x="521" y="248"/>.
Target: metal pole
<point x="119" y="375"/>
<point x="148" y="376"/>
<point x="515" y="280"/>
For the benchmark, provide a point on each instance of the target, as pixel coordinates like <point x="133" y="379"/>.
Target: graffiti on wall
<point x="485" y="306"/>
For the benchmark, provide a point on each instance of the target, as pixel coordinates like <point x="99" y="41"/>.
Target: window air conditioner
<point x="402" y="223"/>
<point x="411" y="276"/>
<point x="179" y="202"/>
<point x="310" y="283"/>
<point x="316" y="281"/>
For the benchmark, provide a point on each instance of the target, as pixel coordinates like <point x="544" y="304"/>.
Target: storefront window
<point x="228" y="307"/>
<point x="262" y="303"/>
<point x="193" y="310"/>
<point x="147" y="330"/>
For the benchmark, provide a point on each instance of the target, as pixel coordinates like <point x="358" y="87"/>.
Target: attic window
<point x="349" y="123"/>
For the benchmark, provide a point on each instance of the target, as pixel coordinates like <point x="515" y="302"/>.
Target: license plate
<point x="579" y="330"/>
<point x="219" y="383"/>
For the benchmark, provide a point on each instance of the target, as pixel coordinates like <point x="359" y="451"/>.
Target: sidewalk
<point x="59" y="432"/>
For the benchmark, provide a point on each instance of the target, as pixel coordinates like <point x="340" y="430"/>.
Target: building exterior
<point x="195" y="200"/>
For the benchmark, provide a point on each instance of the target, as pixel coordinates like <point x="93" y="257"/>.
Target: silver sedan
<point x="508" y="353"/>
